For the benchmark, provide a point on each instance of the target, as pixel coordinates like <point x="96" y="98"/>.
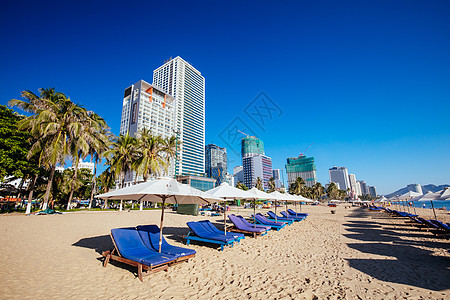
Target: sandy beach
<point x="353" y="254"/>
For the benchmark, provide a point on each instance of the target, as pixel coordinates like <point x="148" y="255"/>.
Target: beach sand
<point x="353" y="254"/>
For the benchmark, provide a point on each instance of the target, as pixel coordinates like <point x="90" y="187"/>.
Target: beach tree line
<point x="57" y="132"/>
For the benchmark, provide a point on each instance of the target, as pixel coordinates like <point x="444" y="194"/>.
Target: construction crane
<point x="243" y="133"/>
<point x="302" y="154"/>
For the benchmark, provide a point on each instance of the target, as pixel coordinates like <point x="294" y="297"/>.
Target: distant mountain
<point x="425" y="188"/>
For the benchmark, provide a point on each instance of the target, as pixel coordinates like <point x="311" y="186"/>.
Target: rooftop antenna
<point x="302" y="154"/>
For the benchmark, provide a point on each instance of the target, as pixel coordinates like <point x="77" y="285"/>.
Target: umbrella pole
<point x="254" y="213"/>
<point x="225" y="217"/>
<point x="275" y="210"/>
<point x="414" y="207"/>
<point x="433" y="209"/>
<point x="162" y="220"/>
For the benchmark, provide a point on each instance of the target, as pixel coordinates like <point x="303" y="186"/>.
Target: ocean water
<point x="427" y="204"/>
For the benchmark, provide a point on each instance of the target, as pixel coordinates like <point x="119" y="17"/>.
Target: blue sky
<point x="367" y="82"/>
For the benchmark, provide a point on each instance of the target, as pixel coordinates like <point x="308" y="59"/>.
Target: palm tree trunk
<point x="73" y="184"/>
<point x="30" y="195"/>
<point x="49" y="187"/>
<point x="93" y="185"/>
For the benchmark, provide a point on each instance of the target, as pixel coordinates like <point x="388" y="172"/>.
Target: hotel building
<point x="340" y="175"/>
<point x="147" y="106"/>
<point x="186" y="84"/>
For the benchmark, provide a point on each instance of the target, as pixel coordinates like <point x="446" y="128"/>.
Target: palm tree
<point x="297" y="186"/>
<point x="92" y="137"/>
<point x="122" y="155"/>
<point x="241" y="186"/>
<point x="318" y="190"/>
<point x="106" y="182"/>
<point x="55" y="123"/>
<point x="171" y="147"/>
<point x="153" y="154"/>
<point x="259" y="184"/>
<point x="332" y="191"/>
<point x="271" y="184"/>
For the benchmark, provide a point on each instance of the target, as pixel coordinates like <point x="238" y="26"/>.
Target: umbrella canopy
<point x="280" y="196"/>
<point x="161" y="190"/>
<point x="226" y="191"/>
<point x="407" y="196"/>
<point x="155" y="190"/>
<point x="261" y="194"/>
<point x="445" y="194"/>
<point x="430" y="196"/>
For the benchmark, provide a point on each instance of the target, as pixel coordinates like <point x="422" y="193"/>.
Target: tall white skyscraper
<point x="354" y="186"/>
<point x="181" y="80"/>
<point x="340" y="175"/>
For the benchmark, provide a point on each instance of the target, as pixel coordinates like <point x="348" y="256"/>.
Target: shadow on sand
<point x="409" y="264"/>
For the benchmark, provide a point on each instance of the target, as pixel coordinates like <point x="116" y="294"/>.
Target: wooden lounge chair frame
<point x="111" y="255"/>
<point x="255" y="234"/>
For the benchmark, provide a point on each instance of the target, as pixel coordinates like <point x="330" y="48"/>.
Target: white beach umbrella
<point x="445" y="195"/>
<point x="279" y="197"/>
<point x="260" y="195"/>
<point x="225" y="191"/>
<point x="408" y="196"/>
<point x="164" y="191"/>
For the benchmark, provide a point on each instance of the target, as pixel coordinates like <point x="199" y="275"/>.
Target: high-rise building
<point x="340" y="175"/>
<point x="364" y="189"/>
<point x="238" y="173"/>
<point x="277" y="178"/>
<point x="216" y="163"/>
<point x="257" y="166"/>
<point x="147" y="106"/>
<point x="303" y="167"/>
<point x="417" y="188"/>
<point x="354" y="186"/>
<point x="372" y="191"/>
<point x="180" y="79"/>
<point x="251" y="146"/>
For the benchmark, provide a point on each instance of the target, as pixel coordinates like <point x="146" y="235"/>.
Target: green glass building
<point x="303" y="167"/>
<point x="251" y="146"/>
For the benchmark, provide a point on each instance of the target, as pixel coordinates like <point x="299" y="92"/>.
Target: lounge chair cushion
<point x="130" y="246"/>
<point x="242" y="226"/>
<point x="204" y="232"/>
<point x="150" y="237"/>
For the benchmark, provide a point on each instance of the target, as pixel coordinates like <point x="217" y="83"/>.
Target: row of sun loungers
<point x="139" y="246"/>
<point x="435" y="226"/>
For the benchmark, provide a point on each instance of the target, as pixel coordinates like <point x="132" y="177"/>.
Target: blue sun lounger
<point x="444" y="227"/>
<point x="150" y="237"/>
<point x="199" y="232"/>
<point x="130" y="249"/>
<point x="243" y="227"/>
<point x="236" y="235"/>
<point x="247" y="223"/>
<point x="272" y="215"/>
<point x="297" y="219"/>
<point x="260" y="219"/>
<point x="291" y="212"/>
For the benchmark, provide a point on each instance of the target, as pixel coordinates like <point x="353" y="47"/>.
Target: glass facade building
<point x="257" y="166"/>
<point x="216" y="162"/>
<point x="181" y="80"/>
<point x="302" y="166"/>
<point x="251" y="146"/>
